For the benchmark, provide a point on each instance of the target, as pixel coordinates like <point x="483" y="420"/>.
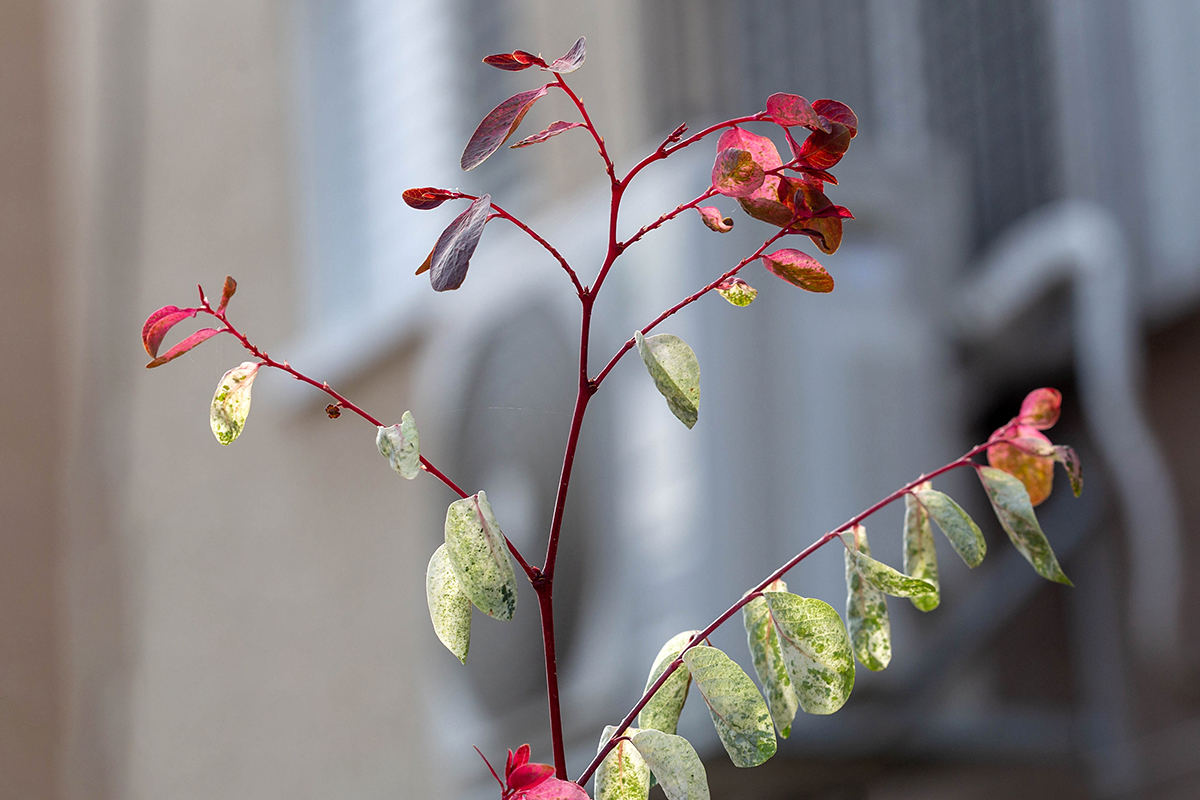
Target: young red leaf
<point x="571" y="60"/>
<point x="1040" y="408"/>
<point x="426" y="197"/>
<point x="529" y="775"/>
<point x="763" y="203"/>
<point x="735" y="173"/>
<point x="452" y="254"/>
<point x="792" y="109"/>
<point x="159" y="323"/>
<point x="515" y="61"/>
<point x="817" y="218"/>
<point x="497" y="126"/>
<point x="554" y="130"/>
<point x="553" y="789"/>
<point x="824" y="150"/>
<point x="799" y="269"/>
<point x="834" y="111"/>
<point x="517" y="759"/>
<point x="1029" y="458"/>
<point x="181" y="348"/>
<point x="227" y="292"/>
<point x="715" y="220"/>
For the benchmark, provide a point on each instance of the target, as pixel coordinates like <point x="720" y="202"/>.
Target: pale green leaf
<point x="400" y="445"/>
<point x="738" y="711"/>
<point x="623" y="774"/>
<point x="920" y="552"/>
<point x="675" y="371"/>
<point x="674" y="762"/>
<point x="231" y="402"/>
<point x="449" y="606"/>
<point x="964" y="535"/>
<point x="888" y="580"/>
<point x="817" y="650"/>
<point x="1011" y="503"/>
<point x="866" y="613"/>
<point x="768" y="661"/>
<point x="480" y="556"/>
<point x="662" y="712"/>
<point x="737" y="292"/>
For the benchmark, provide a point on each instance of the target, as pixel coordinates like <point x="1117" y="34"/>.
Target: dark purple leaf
<point x="426" y="197"/>
<point x="497" y="126"/>
<point x="181" y="348"/>
<point x="554" y="130"/>
<point x="452" y="254"/>
<point x="572" y="60"/>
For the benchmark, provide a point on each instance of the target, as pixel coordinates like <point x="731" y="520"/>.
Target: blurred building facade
<point x="183" y="620"/>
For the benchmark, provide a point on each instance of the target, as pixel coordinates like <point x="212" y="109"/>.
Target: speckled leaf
<point x="1070" y="461"/>
<point x="552" y="789"/>
<point x="964" y="535"/>
<point x="231" y="402"/>
<point x="554" y="129"/>
<point x="1029" y="458"/>
<point x="817" y="650"/>
<point x="890" y="580"/>
<point x="792" y="109"/>
<point x="738" y="711"/>
<point x="769" y="665"/>
<point x="920" y="551"/>
<point x="799" y="269"/>
<point x="735" y="173"/>
<point x="400" y="445"/>
<point x="451" y="255"/>
<point x="866" y="612"/>
<point x="737" y="292"/>
<point x="480" y="556"/>
<point x="623" y="774"/>
<point x="714" y="220"/>
<point x="674" y="762"/>
<point x="497" y="126"/>
<point x="675" y="371"/>
<point x="1011" y="503"/>
<point x="449" y="606"/>
<point x="1040" y="408"/>
<point x="571" y="60"/>
<point x="662" y="711"/>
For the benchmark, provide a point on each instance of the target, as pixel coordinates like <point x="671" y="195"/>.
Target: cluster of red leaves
<point x="526" y="781"/>
<point x="159" y="323"/>
<point x="1028" y="454"/>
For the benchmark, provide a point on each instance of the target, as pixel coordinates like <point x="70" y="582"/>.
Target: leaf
<point x="799" y="269"/>
<point x="187" y="344"/>
<point x="1011" y="503"/>
<point x="762" y="204"/>
<point x="400" y="445"/>
<point x="480" y="556"/>
<point x="662" y="711"/>
<point x="528" y="775"/>
<point x="515" y="61"/>
<point x="497" y="126"/>
<point x="834" y="111"/>
<point x="1029" y="458"/>
<point x="451" y="255"/>
<point x="554" y="130"/>
<point x="769" y="665"/>
<point x="227" y="293"/>
<point x="449" y="606"/>
<point x="824" y="150"/>
<point x="1070" y="461"/>
<point x="737" y="291"/>
<point x="866" y="612"/>
<point x="735" y="173"/>
<point x="159" y="323"/>
<point x="890" y="580"/>
<point x="424" y="198"/>
<point x="920" y="551"/>
<point x="571" y="60"/>
<point x="715" y="220"/>
<point x="675" y="763"/>
<point x="552" y="789"/>
<point x="964" y="535"/>
<point x="816" y="649"/>
<point x="675" y="371"/>
<point x="1040" y="408"/>
<point x="738" y="711"/>
<point x="623" y="774"/>
<point x="792" y="109"/>
<point x="231" y="402"/>
<point x="516" y="759"/>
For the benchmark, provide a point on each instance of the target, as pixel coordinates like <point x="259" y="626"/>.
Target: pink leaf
<point x="799" y="269"/>
<point x="159" y="329"/>
<point x="1040" y="408"/>
<point x="554" y="130"/>
<point x="515" y="61"/>
<point x="554" y="789"/>
<point x="714" y="220"/>
<point x="226" y="293"/>
<point x="497" y="126"/>
<point x="1029" y="458"/>
<point x="451" y="255"/>
<point x="834" y="111"/>
<point x="181" y="348"/>
<point x="763" y="203"/>
<point x="158" y="316"/>
<point x="527" y="776"/>
<point x="572" y="60"/>
<point x="735" y="173"/>
<point x="520" y="758"/>
<point x="792" y="109"/>
<point x="426" y="197"/>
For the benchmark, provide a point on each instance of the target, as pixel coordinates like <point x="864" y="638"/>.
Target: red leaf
<point x="799" y="269"/>
<point x="554" y="130"/>
<point x="553" y="789"/>
<point x="792" y="109"/>
<point x="1021" y="459"/>
<point x="152" y="337"/>
<point x="155" y="317"/>
<point x="834" y="111"/>
<point x="823" y="150"/>
<point x="1040" y="408"/>
<point x="452" y="254"/>
<point x="571" y="60"/>
<point x="181" y="348"/>
<point x="714" y="220"/>
<point x="227" y="292"/>
<point x="529" y="775"/>
<point x="762" y="204"/>
<point x="818" y="218"/>
<point x="497" y="126"/>
<point x="736" y="174"/>
<point x="520" y="758"/>
<point x="515" y="61"/>
<point x="426" y="197"/>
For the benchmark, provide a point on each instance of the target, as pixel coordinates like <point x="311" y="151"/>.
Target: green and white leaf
<point x="480" y="556"/>
<point x="623" y="774"/>
<point x="449" y="606"/>
<point x="817" y="650"/>
<point x="738" y="711"/>
<point x="964" y="535"/>
<point x="1011" y="503"/>
<point x="920" y="551"/>
<point x="888" y="580"/>
<point x="231" y="402"/>
<point x="768" y="661"/>
<point x="662" y="711"/>
<point x="400" y="445"/>
<point x="675" y="763"/>
<point x="866" y="613"/>
<point x="675" y="371"/>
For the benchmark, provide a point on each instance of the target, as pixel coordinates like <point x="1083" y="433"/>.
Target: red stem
<point x="587" y="120"/>
<point x="668" y="216"/>
<point x="664" y="150"/>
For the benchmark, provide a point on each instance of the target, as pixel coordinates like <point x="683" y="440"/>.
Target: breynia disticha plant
<point x="804" y="652"/>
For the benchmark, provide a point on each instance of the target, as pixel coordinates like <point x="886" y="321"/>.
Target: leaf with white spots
<point x="663" y="709"/>
<point x="769" y="665"/>
<point x="1011" y="503"/>
<point x="866" y="612"/>
<point x="964" y="535"/>
<point x="889" y="580"/>
<point x="480" y="557"/>
<point x="817" y="650"/>
<point x="623" y="774"/>
<point x="920" y="552"/>
<point x="400" y="445"/>
<point x="738" y="711"/>
<point x="675" y="371"/>
<point x="674" y="762"/>
<point x="231" y="402"/>
<point x="449" y="606"/>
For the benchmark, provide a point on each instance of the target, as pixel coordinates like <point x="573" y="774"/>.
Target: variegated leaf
<point x="400" y="445"/>
<point x="449" y="606"/>
<point x="888" y="580"/>
<point x="231" y="402"/>
<point x="1011" y="504"/>
<point x="623" y="774"/>
<point x="738" y="711"/>
<point x="768" y="661"/>
<point x="817" y="650"/>
<point x="662" y="711"/>
<point x="675" y="371"/>
<point x="866" y="613"/>
<point x="964" y="535"/>
<point x="674" y="762"/>
<point x="920" y="553"/>
<point x="480" y="556"/>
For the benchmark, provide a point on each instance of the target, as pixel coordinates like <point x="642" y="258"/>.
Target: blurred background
<point x="187" y="621"/>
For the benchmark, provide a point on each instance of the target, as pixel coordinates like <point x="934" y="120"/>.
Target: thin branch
<point x="587" y="120"/>
<point x="665" y="150"/>
<point x="668" y="216"/>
